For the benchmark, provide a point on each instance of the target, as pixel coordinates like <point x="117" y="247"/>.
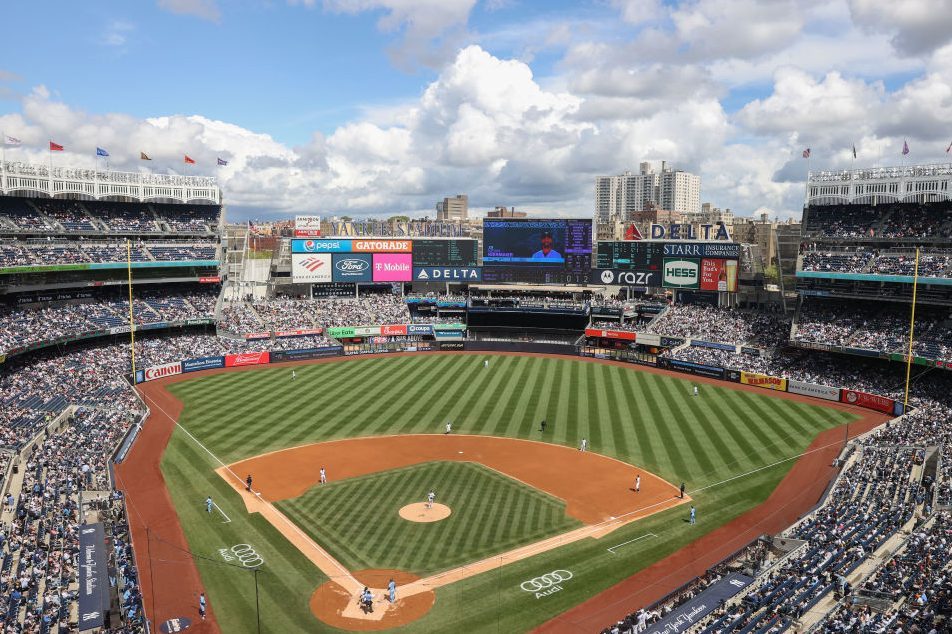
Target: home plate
<point x="461" y="452"/>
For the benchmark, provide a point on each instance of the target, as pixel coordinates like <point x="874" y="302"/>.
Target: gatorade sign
<point x="680" y="273"/>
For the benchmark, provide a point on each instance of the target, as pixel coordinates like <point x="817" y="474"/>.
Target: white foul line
<point x="227" y="519"/>
<point x="612" y="549"/>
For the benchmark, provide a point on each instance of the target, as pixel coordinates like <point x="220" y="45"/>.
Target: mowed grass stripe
<point x="642" y="447"/>
<point x="602" y="414"/>
<point x="712" y="427"/>
<point x="525" y="415"/>
<point x="505" y="402"/>
<point x="661" y="412"/>
<point x="683" y="419"/>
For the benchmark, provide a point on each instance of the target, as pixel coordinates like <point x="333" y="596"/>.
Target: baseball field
<point x="729" y="446"/>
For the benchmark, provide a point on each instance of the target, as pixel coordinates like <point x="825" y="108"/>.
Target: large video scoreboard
<point x="554" y="251"/>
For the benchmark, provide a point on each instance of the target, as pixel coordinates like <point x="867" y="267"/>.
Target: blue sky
<point x="379" y="106"/>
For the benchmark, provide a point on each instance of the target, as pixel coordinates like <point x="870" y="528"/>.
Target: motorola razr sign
<point x="681" y="273"/>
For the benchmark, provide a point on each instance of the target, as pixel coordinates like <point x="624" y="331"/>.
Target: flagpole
<point x="132" y="325"/>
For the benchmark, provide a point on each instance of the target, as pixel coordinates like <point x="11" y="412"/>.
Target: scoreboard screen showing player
<point x="556" y="251"/>
<point x="451" y="252"/>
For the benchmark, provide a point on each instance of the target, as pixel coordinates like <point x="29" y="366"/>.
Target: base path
<point x="595" y="488"/>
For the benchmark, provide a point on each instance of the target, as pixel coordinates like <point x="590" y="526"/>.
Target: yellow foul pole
<point x="912" y="329"/>
<point x="132" y="323"/>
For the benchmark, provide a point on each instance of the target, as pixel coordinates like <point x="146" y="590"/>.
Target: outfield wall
<point x="764" y="381"/>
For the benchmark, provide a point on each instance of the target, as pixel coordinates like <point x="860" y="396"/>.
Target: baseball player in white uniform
<point x="430" y="497"/>
<point x="323" y="476"/>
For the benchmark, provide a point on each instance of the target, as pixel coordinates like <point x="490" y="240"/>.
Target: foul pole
<point x="912" y="330"/>
<point x="132" y="323"/>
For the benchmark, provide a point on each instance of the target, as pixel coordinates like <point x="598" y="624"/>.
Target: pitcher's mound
<point x="420" y="513"/>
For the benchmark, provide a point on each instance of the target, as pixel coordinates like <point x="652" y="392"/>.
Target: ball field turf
<point x="650" y="420"/>
<point x="358" y="521"/>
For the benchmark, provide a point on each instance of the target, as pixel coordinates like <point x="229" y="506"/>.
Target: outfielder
<point x="695" y="390"/>
<point x="486" y="363"/>
<point x="584" y="445"/>
<point x="208" y="504"/>
<point x="293" y="375"/>
<point x="449" y="427"/>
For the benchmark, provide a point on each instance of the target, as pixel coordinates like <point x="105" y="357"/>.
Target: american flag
<point x="806" y="153"/>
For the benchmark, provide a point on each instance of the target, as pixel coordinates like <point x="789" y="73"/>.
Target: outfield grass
<point x="650" y="420"/>
<point x="357" y="520"/>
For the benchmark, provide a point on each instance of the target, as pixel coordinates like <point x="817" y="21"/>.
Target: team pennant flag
<point x="189" y="160"/>
<point x="947" y="150"/>
<point x="854" y="150"/>
<point x="10" y="140"/>
<point x="101" y="152"/>
<point x="222" y="161"/>
<point x="905" y="147"/>
<point x="55" y="147"/>
<point x="806" y="153"/>
<point x="144" y="157"/>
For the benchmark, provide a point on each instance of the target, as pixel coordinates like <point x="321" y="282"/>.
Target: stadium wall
<point x="780" y="384"/>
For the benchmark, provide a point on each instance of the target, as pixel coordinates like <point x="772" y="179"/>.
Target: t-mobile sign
<point x="393" y="267"/>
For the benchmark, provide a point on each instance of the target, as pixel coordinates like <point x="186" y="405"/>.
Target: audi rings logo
<point x="546" y="581"/>
<point x="244" y="554"/>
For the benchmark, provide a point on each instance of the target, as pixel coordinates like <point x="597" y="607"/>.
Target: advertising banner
<point x="341" y="332"/>
<point x="392" y="267"/>
<point x="311" y="269"/>
<point x="686" y="615"/>
<point x="320" y="246"/>
<point x="671" y="342"/>
<point x="712" y="344"/>
<point x="764" y="381"/>
<point x="160" y="371"/>
<point x="247" y="358"/>
<point x="366" y="331"/>
<point x="352" y="267"/>
<point x="452" y="345"/>
<point x="279" y="356"/>
<point x="732" y="375"/>
<point x="307" y="226"/>
<point x="93" y="577"/>
<point x="714" y="275"/>
<point x="257" y="335"/>
<point x="699" y="369"/>
<point x="205" y="363"/>
<point x="722" y="250"/>
<point x="419" y="329"/>
<point x="681" y="273"/>
<point x="812" y="389"/>
<point x="869" y="401"/>
<point x="623" y="277"/>
<point x="382" y="246"/>
<point x="447" y="274"/>
<point x="610" y="334"/>
<point x="211" y="279"/>
<point x="648" y="339"/>
<point x="392" y="331"/>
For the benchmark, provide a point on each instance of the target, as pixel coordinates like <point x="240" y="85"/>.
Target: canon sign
<point x="160" y="371"/>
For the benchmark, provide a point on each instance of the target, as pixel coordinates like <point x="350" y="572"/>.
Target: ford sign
<point x="351" y="265"/>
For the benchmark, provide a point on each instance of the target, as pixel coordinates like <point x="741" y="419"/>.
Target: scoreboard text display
<point x="644" y="255"/>
<point x="556" y="251"/>
<point x="447" y="253"/>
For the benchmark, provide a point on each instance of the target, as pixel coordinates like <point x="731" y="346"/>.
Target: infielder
<point x="323" y="476"/>
<point x="638" y="483"/>
<point x="392" y="591"/>
<point x="430" y="497"/>
<point x="584" y="445"/>
<point x="693" y="515"/>
<point x="202" y="605"/>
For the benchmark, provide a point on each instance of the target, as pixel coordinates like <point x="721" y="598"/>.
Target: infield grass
<point x="646" y="419"/>
<point x="358" y="522"/>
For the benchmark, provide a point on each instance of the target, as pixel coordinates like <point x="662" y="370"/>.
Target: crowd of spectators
<point x="21" y="253"/>
<point x="872" y="326"/>
<point x="885" y="220"/>
<point x="30" y="325"/>
<point x="862" y="260"/>
<point x="290" y="314"/>
<point x="722" y="358"/>
<point x="54" y="216"/>
<point x="708" y="323"/>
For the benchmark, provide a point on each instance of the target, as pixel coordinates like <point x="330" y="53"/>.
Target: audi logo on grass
<point x="549" y="583"/>
<point x="243" y="554"/>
